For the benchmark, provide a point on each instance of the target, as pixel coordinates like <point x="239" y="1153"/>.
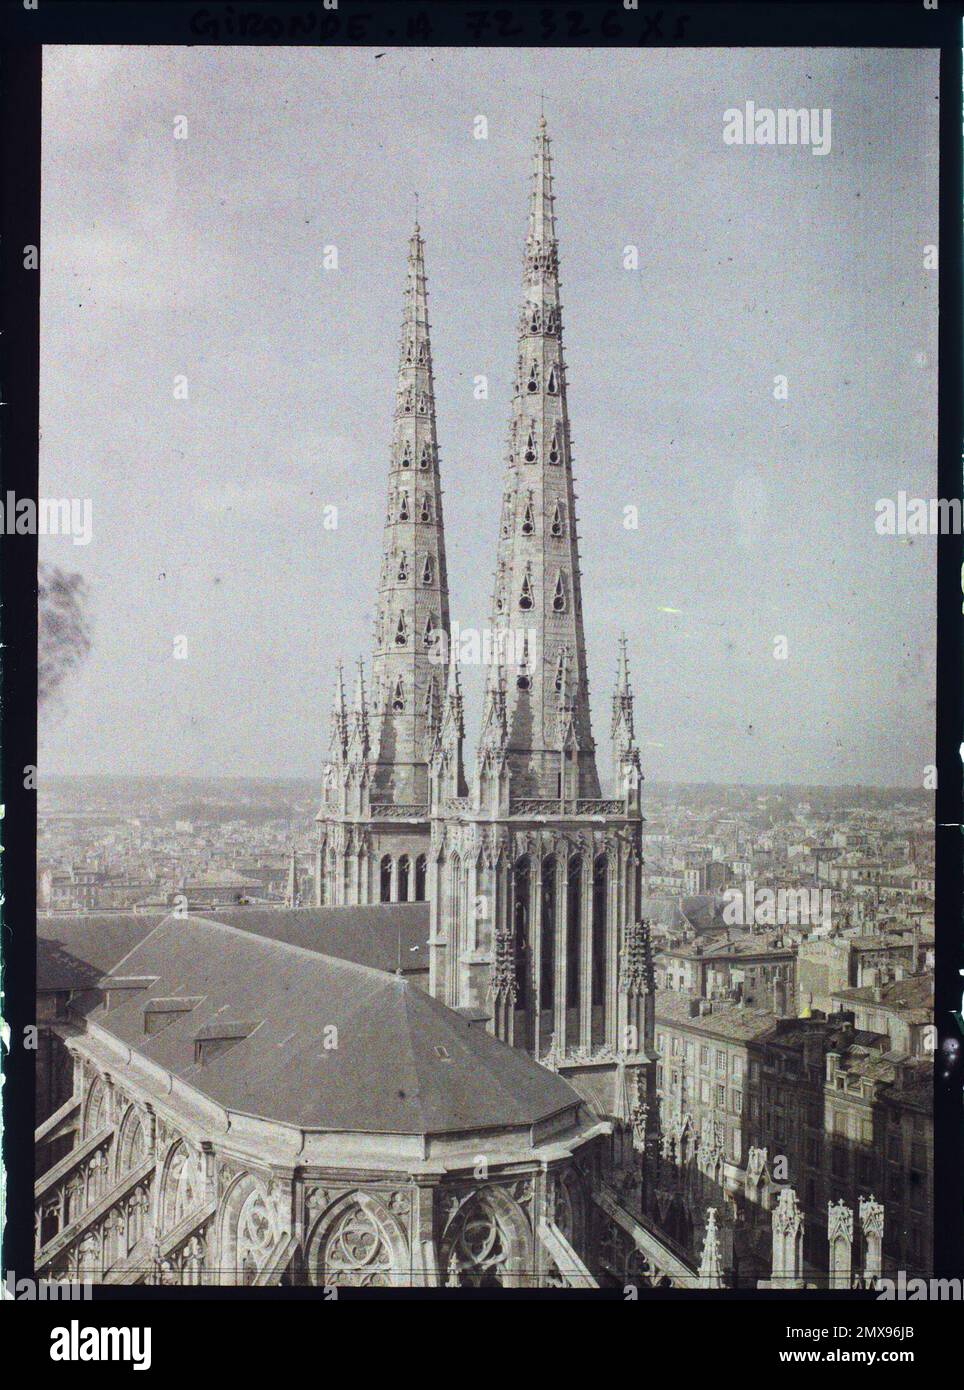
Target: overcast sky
<point x="756" y="517"/>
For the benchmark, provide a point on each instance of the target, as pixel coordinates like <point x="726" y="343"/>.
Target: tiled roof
<point x="725" y="1020"/>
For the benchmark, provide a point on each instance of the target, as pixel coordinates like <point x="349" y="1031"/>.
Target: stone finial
<point x="711" y="1266"/>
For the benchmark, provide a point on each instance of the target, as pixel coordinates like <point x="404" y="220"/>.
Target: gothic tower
<point x="534" y="877"/>
<point x="537" y="606"/>
<point x="373" y="823"/>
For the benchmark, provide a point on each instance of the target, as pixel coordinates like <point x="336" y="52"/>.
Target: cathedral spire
<point x="412" y="616"/>
<point x="538" y="594"/>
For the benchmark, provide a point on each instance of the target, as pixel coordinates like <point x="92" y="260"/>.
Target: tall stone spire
<point x="537" y="605"/>
<point x="412" y="615"/>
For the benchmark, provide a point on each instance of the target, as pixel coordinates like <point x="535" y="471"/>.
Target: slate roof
<point x="404" y="1063"/>
<point x="73" y="952"/>
<point x="381" y="935"/>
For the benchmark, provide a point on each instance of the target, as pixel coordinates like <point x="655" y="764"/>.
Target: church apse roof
<point x="327" y="1044"/>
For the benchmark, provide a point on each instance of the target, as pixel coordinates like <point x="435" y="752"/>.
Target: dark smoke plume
<point x="64" y="632"/>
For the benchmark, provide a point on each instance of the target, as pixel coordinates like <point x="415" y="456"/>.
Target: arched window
<point x="559" y="596"/>
<point x="525" y="598"/>
<point x="520" y="914"/>
<point x="403" y="507"/>
<point x="424" y="458"/>
<point x="530" y="453"/>
<point x="385" y="879"/>
<point x="552" y="385"/>
<point x="427" y="570"/>
<point x="398" y="698"/>
<point x="573" y="930"/>
<point x="183" y="1187"/>
<point x="533" y="383"/>
<point x="254" y="1237"/>
<point x="403" y="568"/>
<point x="401" y="632"/>
<point x="556" y="527"/>
<point x="404" y="867"/>
<point x="528" y="525"/>
<point x="600" y="873"/>
<point x="429" y="635"/>
<point x="547" y="941"/>
<point x="356" y="1244"/>
<point x="407" y="453"/>
<point x="421" y="865"/>
<point x="554" y="451"/>
<point x="426" y="513"/>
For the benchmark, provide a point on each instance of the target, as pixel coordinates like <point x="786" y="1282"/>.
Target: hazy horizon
<point x="203" y="256"/>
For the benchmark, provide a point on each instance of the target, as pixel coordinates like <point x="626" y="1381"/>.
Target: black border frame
<point x="429" y="23"/>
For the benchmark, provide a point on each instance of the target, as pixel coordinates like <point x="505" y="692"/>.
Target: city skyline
<point x="710" y="695"/>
